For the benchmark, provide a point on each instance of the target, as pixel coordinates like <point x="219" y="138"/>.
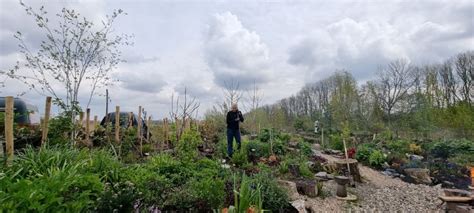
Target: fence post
<point x="9" y="113"/>
<point x="95" y="121"/>
<point x="88" y="118"/>
<point x="47" y="110"/>
<point x="117" y="124"/>
<point x="81" y="118"/>
<point x="148" y="123"/>
<point x="139" y="128"/>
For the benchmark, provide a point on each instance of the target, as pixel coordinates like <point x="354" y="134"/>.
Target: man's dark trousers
<point x="231" y="134"/>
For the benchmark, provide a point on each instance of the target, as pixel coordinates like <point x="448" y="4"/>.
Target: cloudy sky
<point x="278" y="45"/>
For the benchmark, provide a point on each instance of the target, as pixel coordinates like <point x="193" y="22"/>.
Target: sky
<point x="277" y="45"/>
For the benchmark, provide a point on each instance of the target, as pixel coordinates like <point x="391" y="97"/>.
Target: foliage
<point x="376" y="158"/>
<point x="240" y="157"/>
<point x="335" y="142"/>
<point x="415" y="149"/>
<point x="188" y="144"/>
<point x="305" y="148"/>
<point x="364" y="151"/>
<point x="449" y="148"/>
<point x="59" y="129"/>
<point x="246" y="196"/>
<point x="275" y="198"/>
<point x="400" y="146"/>
<point x="305" y="171"/>
<point x="260" y="149"/>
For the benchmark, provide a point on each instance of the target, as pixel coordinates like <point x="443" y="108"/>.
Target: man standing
<point x="234" y="117"/>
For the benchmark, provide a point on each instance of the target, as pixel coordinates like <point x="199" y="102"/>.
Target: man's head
<point x="234" y="107"/>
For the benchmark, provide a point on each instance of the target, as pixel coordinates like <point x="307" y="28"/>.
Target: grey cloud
<point x="142" y="81"/>
<point x="139" y="58"/>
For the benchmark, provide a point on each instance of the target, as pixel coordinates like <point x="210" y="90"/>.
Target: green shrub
<point x="335" y="142"/>
<point x="261" y="149"/>
<point x="399" y="146"/>
<point x="275" y="198"/>
<point x="305" y="148"/>
<point x="239" y="158"/>
<point x="188" y="144"/>
<point x="376" y="158"/>
<point x="305" y="171"/>
<point x="363" y="152"/>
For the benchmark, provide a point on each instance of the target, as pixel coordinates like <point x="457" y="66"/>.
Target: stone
<point x="307" y="187"/>
<point x="330" y="177"/>
<point x="291" y="188"/>
<point x="322" y="175"/>
<point x="293" y="144"/>
<point x="299" y="205"/>
<point x="415" y="157"/>
<point x="419" y="175"/>
<point x="316" y="146"/>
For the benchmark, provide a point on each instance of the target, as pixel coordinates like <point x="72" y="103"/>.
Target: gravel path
<point x="377" y="193"/>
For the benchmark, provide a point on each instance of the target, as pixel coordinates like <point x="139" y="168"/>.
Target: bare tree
<point x="393" y="84"/>
<point x="232" y="93"/>
<point x="75" y="55"/>
<point x="464" y="63"/>
<point x="254" y="99"/>
<point x="183" y="112"/>
<point x="448" y="83"/>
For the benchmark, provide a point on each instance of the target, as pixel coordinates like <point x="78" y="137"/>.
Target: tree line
<point x="420" y="99"/>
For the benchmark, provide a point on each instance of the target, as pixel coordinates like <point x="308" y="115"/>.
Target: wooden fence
<point x="9" y="122"/>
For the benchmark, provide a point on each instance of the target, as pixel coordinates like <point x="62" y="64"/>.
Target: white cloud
<point x="235" y="53"/>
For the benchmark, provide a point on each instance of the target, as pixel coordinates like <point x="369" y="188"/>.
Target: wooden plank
<point x="95" y="122"/>
<point x="9" y="113"/>
<point x="47" y="111"/>
<point x="117" y="124"/>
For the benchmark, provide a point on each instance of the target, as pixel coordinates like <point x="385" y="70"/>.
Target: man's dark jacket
<point x="232" y="122"/>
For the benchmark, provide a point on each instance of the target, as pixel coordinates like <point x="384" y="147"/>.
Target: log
<point x="294" y="169"/>
<point x="353" y="165"/>
<point x="307" y="187"/>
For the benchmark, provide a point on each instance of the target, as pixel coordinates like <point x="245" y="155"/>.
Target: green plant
<point x="275" y="198"/>
<point x="335" y="142"/>
<point x="239" y="158"/>
<point x="305" y="148"/>
<point x="400" y="146"/>
<point x="247" y="196"/>
<point x="363" y="152"/>
<point x="188" y="144"/>
<point x="305" y="171"/>
<point x="376" y="158"/>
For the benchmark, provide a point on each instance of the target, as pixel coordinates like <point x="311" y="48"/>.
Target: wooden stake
<point x="148" y="123"/>
<point x="81" y="119"/>
<point x="47" y="111"/>
<point x="95" y="122"/>
<point x="88" y="117"/>
<point x="139" y="127"/>
<point x="130" y="120"/>
<point x="9" y="127"/>
<point x="117" y="124"/>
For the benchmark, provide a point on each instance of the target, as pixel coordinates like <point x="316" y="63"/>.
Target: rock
<point x="316" y="146"/>
<point x="307" y="187"/>
<point x="330" y="177"/>
<point x="291" y="188"/>
<point x="415" y="157"/>
<point x="323" y="175"/>
<point x="299" y="205"/>
<point x="310" y="164"/>
<point x="293" y="144"/>
<point x="448" y="183"/>
<point x="419" y="175"/>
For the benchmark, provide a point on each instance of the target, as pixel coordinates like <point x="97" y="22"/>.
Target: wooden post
<point x="139" y="128"/>
<point x="47" y="110"/>
<point x="9" y="113"/>
<point x="165" y="134"/>
<point x="130" y="120"/>
<point x="88" y="117"/>
<point x="95" y="122"/>
<point x="81" y="118"/>
<point x="117" y="124"/>
<point x="148" y="123"/>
